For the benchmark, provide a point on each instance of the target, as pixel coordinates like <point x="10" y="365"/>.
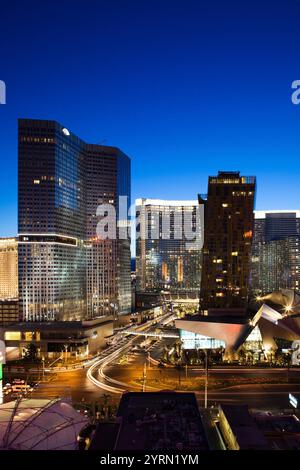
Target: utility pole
<point x="206" y="378"/>
<point x="144" y="377"/>
<point x="186" y="372"/>
<point x="66" y="351"/>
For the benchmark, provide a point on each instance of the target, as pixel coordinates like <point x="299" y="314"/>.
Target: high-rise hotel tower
<point x="108" y="261"/>
<point x="228" y="232"/>
<point x="62" y="180"/>
<point x="167" y="255"/>
<point x="275" y="251"/>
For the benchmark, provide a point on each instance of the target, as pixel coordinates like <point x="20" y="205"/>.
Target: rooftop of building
<point x="107" y="150"/>
<point x="244" y="427"/>
<point x="236" y="319"/>
<point x="160" y="420"/>
<point x="281" y="431"/>
<point x="232" y="177"/>
<point x="8" y="239"/>
<point x="280" y="212"/>
<point x="165" y="202"/>
<point x="60" y="325"/>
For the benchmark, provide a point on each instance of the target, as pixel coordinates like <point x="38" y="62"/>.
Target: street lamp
<point x="144" y="377"/>
<point x="206" y="378"/>
<point x="288" y="308"/>
<point x="66" y="351"/>
<point x="43" y="365"/>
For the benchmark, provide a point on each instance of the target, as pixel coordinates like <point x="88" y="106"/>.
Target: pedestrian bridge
<point x="155" y="334"/>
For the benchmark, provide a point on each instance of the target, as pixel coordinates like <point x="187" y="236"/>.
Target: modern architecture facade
<point x="168" y="246"/>
<point x="55" y="203"/>
<point x="228" y="232"/>
<point x="274" y="324"/>
<point x="72" y="339"/>
<point x="9" y="304"/>
<point x="8" y="268"/>
<point x="275" y="251"/>
<point x="108" y="261"/>
<point x="9" y="311"/>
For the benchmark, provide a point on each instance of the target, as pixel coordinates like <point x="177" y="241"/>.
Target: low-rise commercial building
<point x="75" y="338"/>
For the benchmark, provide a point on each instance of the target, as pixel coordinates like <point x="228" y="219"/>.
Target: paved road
<point x="266" y="396"/>
<point x="78" y="387"/>
<point x="109" y="375"/>
<point x="78" y="384"/>
<point x="72" y="384"/>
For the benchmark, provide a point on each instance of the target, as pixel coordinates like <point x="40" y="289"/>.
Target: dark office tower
<point x="275" y="251"/>
<point x="108" y="261"/>
<point x="55" y="203"/>
<point x="228" y="229"/>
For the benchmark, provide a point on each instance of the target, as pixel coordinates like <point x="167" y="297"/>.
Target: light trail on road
<point x="105" y="361"/>
<point x="101" y="364"/>
<point x="248" y="370"/>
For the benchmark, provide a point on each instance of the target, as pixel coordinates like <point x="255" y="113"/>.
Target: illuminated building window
<point x="12" y="335"/>
<point x="28" y="336"/>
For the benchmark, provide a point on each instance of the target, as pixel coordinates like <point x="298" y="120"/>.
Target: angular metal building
<point x="277" y="318"/>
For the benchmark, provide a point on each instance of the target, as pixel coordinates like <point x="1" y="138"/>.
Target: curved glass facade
<point x="62" y="180"/>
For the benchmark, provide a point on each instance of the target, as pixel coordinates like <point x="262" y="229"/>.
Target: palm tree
<point x="242" y="355"/>
<point x="106" y="405"/>
<point x="31" y="353"/>
<point x="249" y="356"/>
<point x="178" y="349"/>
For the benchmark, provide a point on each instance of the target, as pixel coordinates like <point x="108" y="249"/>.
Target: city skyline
<point x="192" y="97"/>
<point x="150" y="229"/>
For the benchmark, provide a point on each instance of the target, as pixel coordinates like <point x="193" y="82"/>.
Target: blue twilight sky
<point x="185" y="87"/>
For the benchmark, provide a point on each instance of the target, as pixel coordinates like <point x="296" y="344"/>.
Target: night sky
<point x="185" y="88"/>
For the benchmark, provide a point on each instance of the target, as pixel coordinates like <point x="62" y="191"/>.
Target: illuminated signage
<point x="293" y="400"/>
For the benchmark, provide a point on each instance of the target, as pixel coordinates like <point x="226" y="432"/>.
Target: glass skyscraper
<point x="275" y="251"/>
<point x="165" y="259"/>
<point x="55" y="203"/>
<point x="108" y="261"/>
<point x="8" y="268"/>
